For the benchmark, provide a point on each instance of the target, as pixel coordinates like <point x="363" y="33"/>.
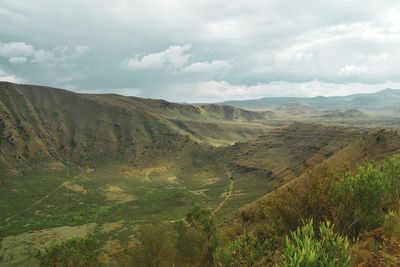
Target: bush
<point x="245" y="250"/>
<point x="306" y="248"/>
<point x="391" y="224"/>
<point x="361" y="201"/>
<point x="76" y="252"/>
<point x="302" y="200"/>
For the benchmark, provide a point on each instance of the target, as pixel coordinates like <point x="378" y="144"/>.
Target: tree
<point x="155" y="246"/>
<point x="76" y="252"/>
<point x="203" y="221"/>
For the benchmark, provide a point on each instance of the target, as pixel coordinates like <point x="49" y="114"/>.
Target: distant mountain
<point x="385" y="100"/>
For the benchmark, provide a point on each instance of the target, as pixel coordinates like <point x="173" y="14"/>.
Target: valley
<point x="72" y="165"/>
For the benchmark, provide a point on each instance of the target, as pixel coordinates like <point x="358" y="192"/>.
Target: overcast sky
<point x="202" y="51"/>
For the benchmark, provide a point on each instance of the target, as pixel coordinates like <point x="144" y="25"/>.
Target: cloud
<point x="15" y="49"/>
<point x="5" y="77"/>
<point x="287" y="43"/>
<point x="213" y="66"/>
<point x="18" y="60"/>
<point x="174" y="56"/>
<point x="21" y="52"/>
<point x="81" y="50"/>
<point x="44" y="56"/>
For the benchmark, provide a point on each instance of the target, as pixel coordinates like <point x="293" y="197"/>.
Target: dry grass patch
<point x="116" y="194"/>
<point x="75" y="187"/>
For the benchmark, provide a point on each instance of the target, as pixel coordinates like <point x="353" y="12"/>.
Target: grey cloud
<point x="236" y="46"/>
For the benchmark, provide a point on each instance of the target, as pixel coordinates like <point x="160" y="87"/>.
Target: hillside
<point x="286" y="153"/>
<point x="47" y="123"/>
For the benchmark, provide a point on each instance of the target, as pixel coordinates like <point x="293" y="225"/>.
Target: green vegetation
<point x="77" y="252"/>
<point x="362" y="201"/>
<point x="306" y="248"/>
<point x="359" y="203"/>
<point x="155" y="247"/>
<point x="356" y="202"/>
<point x="245" y="250"/>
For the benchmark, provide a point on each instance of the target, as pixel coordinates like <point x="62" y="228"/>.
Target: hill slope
<point x="46" y="123"/>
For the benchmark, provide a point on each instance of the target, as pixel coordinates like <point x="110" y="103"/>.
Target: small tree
<point x="189" y="244"/>
<point x="155" y="246"/>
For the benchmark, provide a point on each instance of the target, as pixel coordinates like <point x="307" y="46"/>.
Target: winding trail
<point x="230" y="192"/>
<point x="46" y="196"/>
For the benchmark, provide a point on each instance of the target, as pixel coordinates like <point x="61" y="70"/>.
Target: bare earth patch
<point x="210" y="181"/>
<point x="146" y="171"/>
<point x="109" y="227"/>
<point x="75" y="187"/>
<point x="114" y="193"/>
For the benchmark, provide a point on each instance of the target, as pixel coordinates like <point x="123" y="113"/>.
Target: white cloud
<point x="174" y="56"/>
<point x="81" y="50"/>
<point x="43" y="56"/>
<point x="20" y="52"/>
<point x="18" y="60"/>
<point x="15" y="49"/>
<point x="5" y="77"/>
<point x="213" y="66"/>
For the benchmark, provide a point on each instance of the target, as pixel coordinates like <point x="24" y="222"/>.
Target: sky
<point x="202" y="51"/>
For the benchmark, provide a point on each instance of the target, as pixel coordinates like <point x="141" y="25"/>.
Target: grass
<point x="156" y="195"/>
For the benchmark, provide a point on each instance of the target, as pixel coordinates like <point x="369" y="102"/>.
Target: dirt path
<point x="230" y="192"/>
<point x="46" y="196"/>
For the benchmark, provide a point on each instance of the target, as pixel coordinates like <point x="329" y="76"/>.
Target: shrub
<point x="391" y="224"/>
<point x="76" y="252"/>
<point x="245" y="250"/>
<point x="306" y="248"/>
<point x="302" y="200"/>
<point x="361" y="201"/>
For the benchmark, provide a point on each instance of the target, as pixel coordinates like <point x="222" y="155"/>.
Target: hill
<point x="385" y="100"/>
<point x="41" y="123"/>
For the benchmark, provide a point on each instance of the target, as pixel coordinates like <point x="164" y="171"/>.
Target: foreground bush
<point x="76" y="252"/>
<point x="245" y="250"/>
<point x="305" y="247"/>
<point x="362" y="201"/>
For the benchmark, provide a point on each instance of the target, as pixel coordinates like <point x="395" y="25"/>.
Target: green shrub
<point x="245" y="250"/>
<point x="76" y="252"/>
<point x="306" y="248"/>
<point x="361" y="201"/>
<point x="391" y="224"/>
